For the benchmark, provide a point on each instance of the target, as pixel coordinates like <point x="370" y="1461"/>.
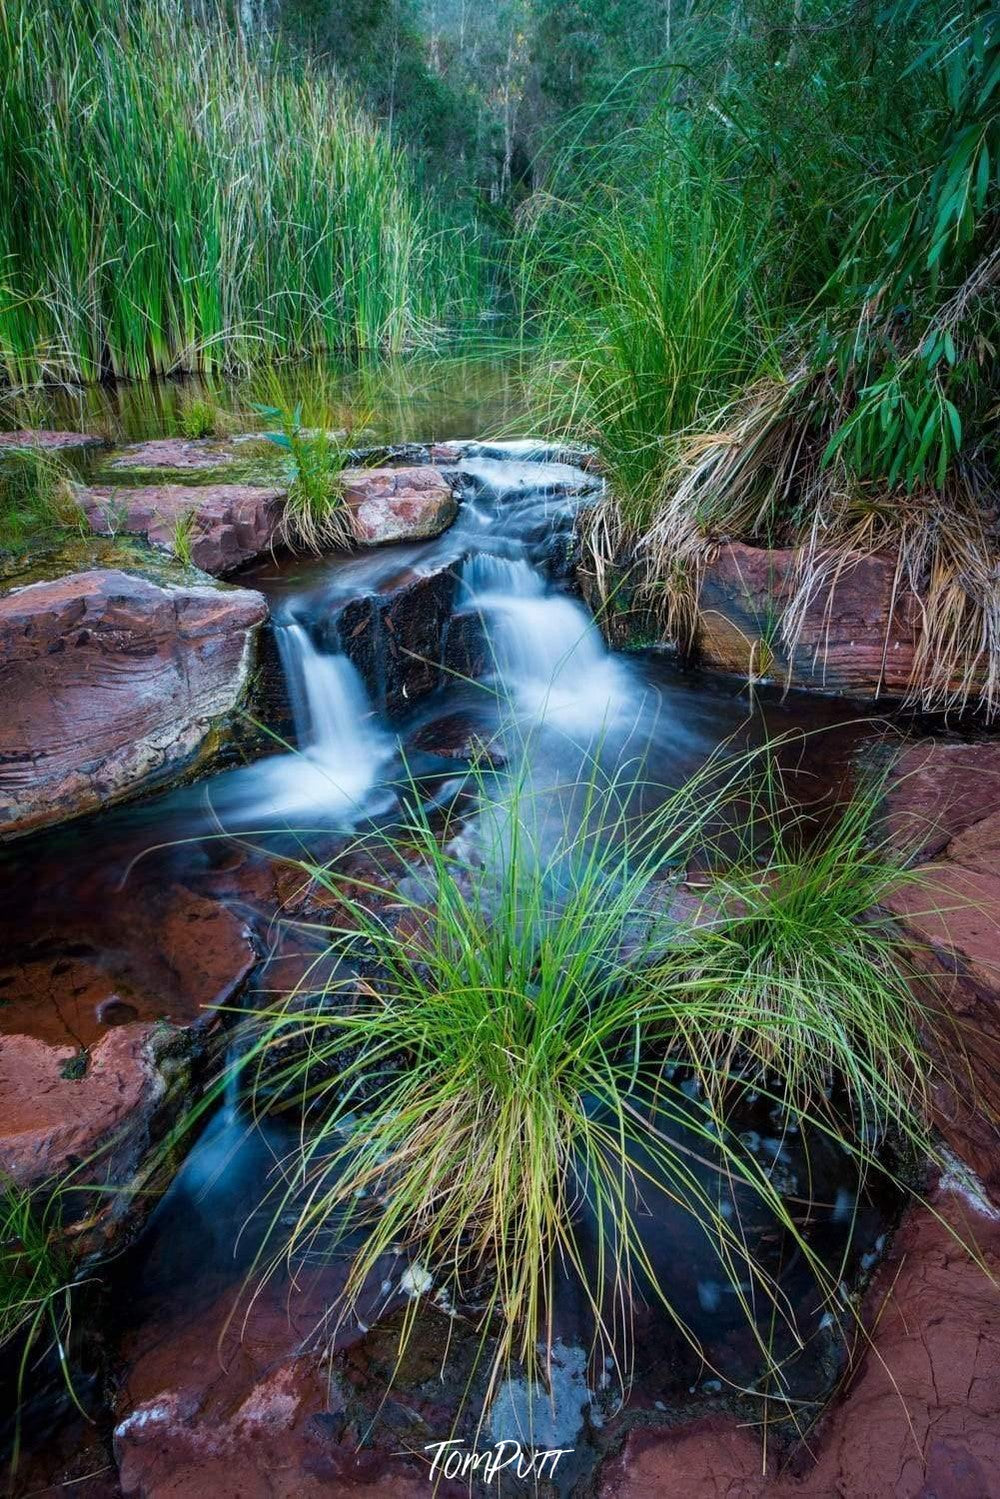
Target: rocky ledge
<point x="112" y="683"/>
<point x="221" y="526"/>
<point x="945" y="804"/>
<point x="855" y="633"/>
<point x="224" y="502"/>
<point x="47" y="441"/>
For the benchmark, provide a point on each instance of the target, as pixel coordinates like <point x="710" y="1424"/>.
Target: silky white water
<point x="548" y="654"/>
<point x="342" y="750"/>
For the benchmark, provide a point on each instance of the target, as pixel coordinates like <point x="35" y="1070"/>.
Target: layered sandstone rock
<point x="856" y="633"/>
<point x="110" y="683"/>
<point x="221" y="526"/>
<point x="397" y="637"/>
<point x="398" y="504"/>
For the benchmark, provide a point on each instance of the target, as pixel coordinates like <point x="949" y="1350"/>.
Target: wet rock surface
<point x="856" y="635"/>
<point x="945" y="804"/>
<point x="222" y="526"/>
<point x="919" y="1417"/>
<point x="398" y="504"/>
<point x="112" y="682"/>
<point x="48" y="441"/>
<point x="106" y="1026"/>
<point x="194" y="456"/>
<point x="395" y="637"/>
<point x="61" y="1107"/>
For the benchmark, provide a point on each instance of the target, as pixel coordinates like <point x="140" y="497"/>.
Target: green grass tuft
<point x="516" y="1047"/>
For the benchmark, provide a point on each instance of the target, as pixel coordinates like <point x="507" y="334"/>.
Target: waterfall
<point x="548" y="652"/>
<point x="342" y="750"/>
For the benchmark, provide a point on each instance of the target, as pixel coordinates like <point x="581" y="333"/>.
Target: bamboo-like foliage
<point x="177" y="195"/>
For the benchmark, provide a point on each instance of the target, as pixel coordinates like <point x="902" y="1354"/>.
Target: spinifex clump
<point x="551" y="1035"/>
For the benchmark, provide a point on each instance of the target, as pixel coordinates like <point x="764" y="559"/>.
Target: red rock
<point x="58" y="1107"/>
<point x="445" y="452"/>
<point x="398" y="504"/>
<point x="234" y="1407"/>
<point x="226" y="524"/>
<point x="953" y="925"/>
<point x="111" y="682"/>
<point x="943" y="802"/>
<point x="847" y="642"/>
<point x="920" y="1419"/>
<point x="710" y="1459"/>
<point x="149" y="954"/>
<point x="51" y="442"/>
<point x="197" y="455"/>
<point x="941" y="788"/>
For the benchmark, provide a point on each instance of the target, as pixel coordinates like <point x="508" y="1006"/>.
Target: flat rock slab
<point x="223" y="525"/>
<point x="150" y="954"/>
<point x="194" y="455"/>
<point x="43" y="440"/>
<point x="110" y="683"/>
<point x="920" y="1418"/>
<point x="398" y="504"/>
<point x="58" y="1105"/>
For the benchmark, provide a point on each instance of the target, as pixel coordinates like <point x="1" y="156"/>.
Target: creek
<point x="532" y="677"/>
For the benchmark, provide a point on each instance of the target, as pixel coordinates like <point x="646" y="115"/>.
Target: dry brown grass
<point x="759" y="476"/>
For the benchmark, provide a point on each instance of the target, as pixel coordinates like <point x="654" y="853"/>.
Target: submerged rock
<point x="112" y="683"/>
<point x="50" y="442"/>
<point x="222" y="525"/>
<point x="398" y="504"/>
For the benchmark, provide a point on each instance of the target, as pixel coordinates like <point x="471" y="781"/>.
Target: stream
<point x="340" y="743"/>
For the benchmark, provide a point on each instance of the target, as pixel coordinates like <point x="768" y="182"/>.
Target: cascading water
<point x="342" y="749"/>
<point x="548" y="653"/>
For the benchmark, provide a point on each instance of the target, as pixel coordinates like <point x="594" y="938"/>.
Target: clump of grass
<point x="199" y="416"/>
<point x="184" y="535"/>
<point x="515" y="1055"/>
<point x="36" y="1285"/>
<point x="315" y="515"/>
<point x="181" y="193"/>
<point x="770" y="470"/>
<point x="37" y="499"/>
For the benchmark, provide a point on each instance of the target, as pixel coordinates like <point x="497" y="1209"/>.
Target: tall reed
<point x="176" y="194"/>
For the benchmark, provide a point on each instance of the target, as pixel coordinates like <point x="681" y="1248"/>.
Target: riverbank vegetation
<point x="750" y="249"/>
<point x="179" y="194"/>
<point x="770" y="306"/>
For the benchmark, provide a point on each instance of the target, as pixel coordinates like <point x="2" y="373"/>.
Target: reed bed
<point x="177" y="195"/>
